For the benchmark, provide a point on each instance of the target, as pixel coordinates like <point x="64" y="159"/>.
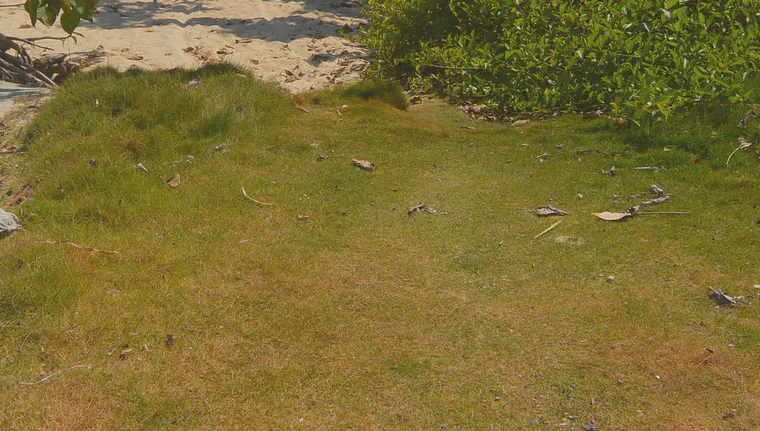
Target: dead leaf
<point x="25" y="26"/>
<point x="549" y="210"/>
<point x="421" y="208"/>
<point x="254" y="200"/>
<point x="135" y="58"/>
<point x="123" y="354"/>
<point x="593" y="114"/>
<point x="364" y="164"/>
<point x="721" y="298"/>
<point x="299" y="100"/>
<point x="731" y="414"/>
<point x="22" y="195"/>
<point x="650" y="168"/>
<point x="610" y="216"/>
<point x="656" y="201"/>
<point x="303" y="217"/>
<point x="8" y="149"/>
<point x="188" y="49"/>
<point x="174" y="181"/>
<point x="169" y="340"/>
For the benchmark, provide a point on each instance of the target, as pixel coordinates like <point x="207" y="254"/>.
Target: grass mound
<point x="334" y="308"/>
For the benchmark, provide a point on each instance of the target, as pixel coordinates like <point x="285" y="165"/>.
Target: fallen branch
<point x="254" y="200"/>
<point x="57" y="373"/>
<point x="20" y="67"/>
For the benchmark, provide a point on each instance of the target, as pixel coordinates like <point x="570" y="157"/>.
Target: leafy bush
<point x="641" y="57"/>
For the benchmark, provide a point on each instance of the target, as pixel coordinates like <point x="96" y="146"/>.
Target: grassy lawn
<point x="362" y="316"/>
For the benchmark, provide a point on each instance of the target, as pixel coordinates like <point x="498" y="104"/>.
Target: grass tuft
<point x="388" y="92"/>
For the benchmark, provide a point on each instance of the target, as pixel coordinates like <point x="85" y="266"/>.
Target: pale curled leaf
<point x="174" y="181"/>
<point x="256" y="201"/>
<point x="610" y="216"/>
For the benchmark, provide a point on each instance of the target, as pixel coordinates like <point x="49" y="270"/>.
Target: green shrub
<point x="641" y="57"/>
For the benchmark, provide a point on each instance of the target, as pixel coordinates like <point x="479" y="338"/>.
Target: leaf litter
<point x="636" y="210"/>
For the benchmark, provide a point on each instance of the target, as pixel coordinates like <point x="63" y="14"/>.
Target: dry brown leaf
<point x="364" y="164"/>
<point x="22" y="194"/>
<point x="610" y="216"/>
<point x="174" y="181"/>
<point x="135" y="58"/>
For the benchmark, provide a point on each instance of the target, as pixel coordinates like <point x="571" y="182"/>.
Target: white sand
<point x="293" y="42"/>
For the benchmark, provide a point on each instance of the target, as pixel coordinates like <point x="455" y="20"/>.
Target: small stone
<point x="611" y="278"/>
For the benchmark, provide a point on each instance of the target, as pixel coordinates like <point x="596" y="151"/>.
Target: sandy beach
<point x="295" y="43"/>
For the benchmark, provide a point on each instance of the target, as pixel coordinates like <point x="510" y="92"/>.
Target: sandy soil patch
<point x="293" y="42"/>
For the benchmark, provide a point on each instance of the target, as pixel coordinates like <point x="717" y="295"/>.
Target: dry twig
<point x="59" y="372"/>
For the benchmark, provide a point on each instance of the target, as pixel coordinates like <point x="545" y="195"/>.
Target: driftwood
<point x="16" y="65"/>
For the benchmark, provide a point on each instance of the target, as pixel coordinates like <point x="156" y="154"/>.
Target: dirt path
<point x="293" y="42"/>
